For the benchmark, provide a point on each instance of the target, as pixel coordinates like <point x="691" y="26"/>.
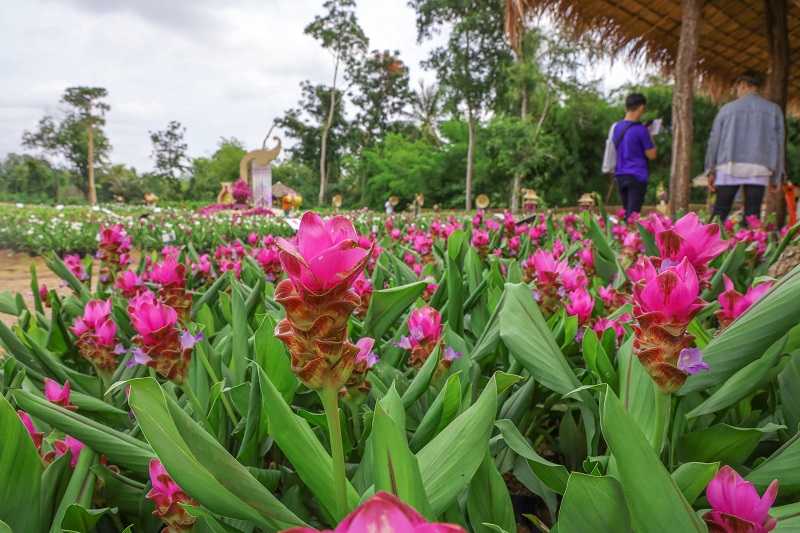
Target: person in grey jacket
<point x="745" y="149"/>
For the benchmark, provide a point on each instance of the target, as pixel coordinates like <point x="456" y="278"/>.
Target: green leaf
<point x="199" y="465"/>
<point x="781" y="465"/>
<point x="554" y="476"/>
<point x="649" y="241"/>
<point x="302" y="448"/>
<point x="693" y="478"/>
<point x="4" y="528"/>
<point x="788" y="518"/>
<point x="723" y="443"/>
<point x="655" y="501"/>
<point x="271" y="356"/>
<point x="20" y="473"/>
<point x="395" y="468"/>
<point x="524" y="331"/>
<point x="455" y="295"/>
<point x="387" y="305"/>
<point x="441" y="412"/>
<point x="488" y="501"/>
<point x="423" y="378"/>
<point x="450" y="459"/>
<point x="120" y="448"/>
<point x="745" y="339"/>
<point x="636" y="389"/>
<point x="743" y="383"/>
<point x="78" y="519"/>
<point x="593" y="503"/>
<point x="241" y="333"/>
<point x="789" y="382"/>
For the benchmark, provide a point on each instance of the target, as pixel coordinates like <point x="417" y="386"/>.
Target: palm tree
<point x="426" y="109"/>
<point x="517" y="12"/>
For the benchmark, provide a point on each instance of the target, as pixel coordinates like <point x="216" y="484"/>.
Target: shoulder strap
<point x="621" y="135"/>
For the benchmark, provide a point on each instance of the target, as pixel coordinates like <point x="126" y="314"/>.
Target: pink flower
<point x="73" y="262"/>
<point x="171" y="276"/>
<point x="270" y="261"/>
<point x="160" y="345"/>
<point x="57" y="394"/>
<point x="384" y="513"/>
<point x="327" y="254"/>
<point x="581" y="304"/>
<point x="546" y="266"/>
<point x="736" y="506"/>
<point x="167" y="497"/>
<point x="480" y="238"/>
<point x="129" y="283"/>
<point x="425" y="333"/>
<point x="586" y="256"/>
<point x="36" y="436"/>
<point x="573" y="279"/>
<point x="74" y="446"/>
<point x="365" y="353"/>
<point x="673" y="294"/>
<point x="733" y="303"/>
<point x="96" y="312"/>
<point x="252" y="239"/>
<point x="169" y="271"/>
<point x="151" y="319"/>
<point x="691" y="240"/>
<point x="605" y="323"/>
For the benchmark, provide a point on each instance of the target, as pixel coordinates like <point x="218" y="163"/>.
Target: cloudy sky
<point x="221" y="68"/>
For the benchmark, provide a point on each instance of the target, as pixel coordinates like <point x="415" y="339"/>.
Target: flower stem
<point x="201" y="414"/>
<point x="225" y="403"/>
<point x="662" y="408"/>
<point x="330" y="402"/>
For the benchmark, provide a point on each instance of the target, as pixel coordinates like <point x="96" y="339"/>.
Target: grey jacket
<point x="748" y="130"/>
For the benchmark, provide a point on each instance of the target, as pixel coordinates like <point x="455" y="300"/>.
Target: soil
<point x="15" y="276"/>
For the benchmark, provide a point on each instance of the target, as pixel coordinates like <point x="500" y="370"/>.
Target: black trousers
<point x="631" y="192"/>
<point x="753" y="196"/>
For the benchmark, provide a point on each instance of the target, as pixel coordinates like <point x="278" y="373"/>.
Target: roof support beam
<point x="682" y="105"/>
<point x="777" y="82"/>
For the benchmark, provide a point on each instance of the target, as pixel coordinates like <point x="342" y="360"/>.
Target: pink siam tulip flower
<point x="692" y="240"/>
<point x="546" y="267"/>
<point x="492" y="224"/>
<point x="632" y="246"/>
<point x="73" y="263"/>
<point x="425" y="333"/>
<point x="510" y="222"/>
<point x="537" y="232"/>
<point x="604" y="323"/>
<point x="129" y="284"/>
<point x="363" y="287"/>
<point x="113" y="251"/>
<point x="733" y="303"/>
<point x="96" y="341"/>
<point x="558" y="248"/>
<point x="74" y="446"/>
<point x="581" y="304"/>
<point x="513" y="246"/>
<point x="395" y="234"/>
<point x="43" y="292"/>
<point x="612" y="298"/>
<point x="586" y="256"/>
<point x="160" y="345"/>
<point x="477" y="220"/>
<point x="574" y="279"/>
<point x="427" y="294"/>
<point x="57" y="394"/>
<point x="168" y="497"/>
<point x="270" y="261"/>
<point x="171" y="276"/>
<point x="736" y="506"/>
<point x="480" y="241"/>
<point x="543" y="267"/>
<point x="665" y="304"/>
<point x="36" y="436"/>
<point x="384" y="513"/>
<point x="252" y="239"/>
<point x="319" y="299"/>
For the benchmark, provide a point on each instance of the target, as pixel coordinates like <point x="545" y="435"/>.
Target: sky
<point x="220" y="68"/>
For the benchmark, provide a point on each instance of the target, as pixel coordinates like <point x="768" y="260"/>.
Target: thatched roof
<point x="279" y="190"/>
<point x="732" y="34"/>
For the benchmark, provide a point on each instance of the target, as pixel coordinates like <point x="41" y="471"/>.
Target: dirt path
<point x="15" y="276"/>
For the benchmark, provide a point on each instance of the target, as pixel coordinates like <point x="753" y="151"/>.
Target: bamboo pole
<point x="682" y="105"/>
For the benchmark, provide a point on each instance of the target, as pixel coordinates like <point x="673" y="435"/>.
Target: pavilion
<point x="700" y="42"/>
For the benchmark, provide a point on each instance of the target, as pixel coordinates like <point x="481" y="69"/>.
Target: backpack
<point x="610" y="154"/>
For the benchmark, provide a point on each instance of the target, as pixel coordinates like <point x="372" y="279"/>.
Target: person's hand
<point x="711" y="179"/>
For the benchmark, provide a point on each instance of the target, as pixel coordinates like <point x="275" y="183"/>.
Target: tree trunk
<point x="470" y="158"/>
<point x="518" y="176"/>
<point x="92" y="191"/>
<point x="777" y="84"/>
<point x="682" y="106"/>
<point x="323" y="176"/>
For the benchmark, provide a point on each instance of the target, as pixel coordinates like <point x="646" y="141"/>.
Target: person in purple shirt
<point x="634" y="147"/>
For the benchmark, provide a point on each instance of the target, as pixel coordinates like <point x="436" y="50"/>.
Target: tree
<point x="382" y="95"/>
<point x="306" y="121"/>
<point x="339" y="32"/>
<point x="208" y="172"/>
<point x="78" y="136"/>
<point x="169" y="151"/>
<point x="426" y="110"/>
<point x="471" y="65"/>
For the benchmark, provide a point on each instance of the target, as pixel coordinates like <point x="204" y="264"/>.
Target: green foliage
<point x="208" y="172"/>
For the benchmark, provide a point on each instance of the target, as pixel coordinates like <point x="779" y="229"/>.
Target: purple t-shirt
<point x="631" y="160"/>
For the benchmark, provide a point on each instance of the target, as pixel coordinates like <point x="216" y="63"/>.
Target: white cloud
<point x="222" y="69"/>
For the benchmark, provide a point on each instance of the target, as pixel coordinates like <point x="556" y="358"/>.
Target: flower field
<point x="450" y="373"/>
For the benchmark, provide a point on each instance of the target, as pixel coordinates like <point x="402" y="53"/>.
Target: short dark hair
<point x="634" y="100"/>
<point x="751" y="77"/>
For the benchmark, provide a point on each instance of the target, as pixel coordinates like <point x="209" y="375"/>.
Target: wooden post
<point x="682" y="105"/>
<point x="777" y="83"/>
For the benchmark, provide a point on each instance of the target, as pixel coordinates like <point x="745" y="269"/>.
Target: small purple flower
<point x="666" y="264"/>
<point x="450" y="354"/>
<point x="537" y="295"/>
<point x="405" y="343"/>
<point x="139" y="358"/>
<point x="188" y="340"/>
<point x="119" y="349"/>
<point x="691" y="360"/>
